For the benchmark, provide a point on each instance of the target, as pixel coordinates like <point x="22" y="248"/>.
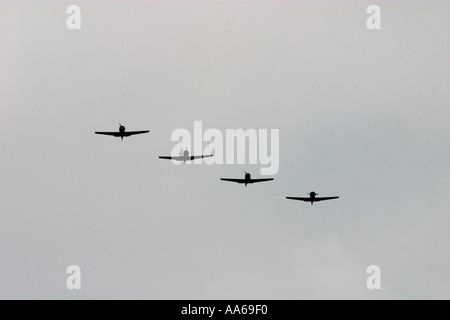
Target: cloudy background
<point x="362" y="114"/>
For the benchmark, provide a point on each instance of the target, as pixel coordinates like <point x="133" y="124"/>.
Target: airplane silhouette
<point x="185" y="157"/>
<point x="248" y="179"/>
<point x="312" y="198"/>
<point x="122" y="133"/>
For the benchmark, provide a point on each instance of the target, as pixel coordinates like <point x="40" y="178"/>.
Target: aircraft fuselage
<point x="248" y="177"/>
<point x="122" y="131"/>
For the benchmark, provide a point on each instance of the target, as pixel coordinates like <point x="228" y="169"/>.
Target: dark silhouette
<point x="312" y="198"/>
<point x="186" y="157"/>
<point x="122" y="133"/>
<point x="247" y="179"/>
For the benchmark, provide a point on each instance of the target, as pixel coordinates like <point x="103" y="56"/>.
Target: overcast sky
<point x="362" y="114"/>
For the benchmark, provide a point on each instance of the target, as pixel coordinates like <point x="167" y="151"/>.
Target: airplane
<point x="312" y="198"/>
<point x="122" y="133"/>
<point x="186" y="157"/>
<point x="248" y="179"/>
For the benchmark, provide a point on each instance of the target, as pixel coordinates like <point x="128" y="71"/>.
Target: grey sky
<point x="362" y="114"/>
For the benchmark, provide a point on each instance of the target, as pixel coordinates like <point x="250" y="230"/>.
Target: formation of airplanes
<point x="186" y="157"/>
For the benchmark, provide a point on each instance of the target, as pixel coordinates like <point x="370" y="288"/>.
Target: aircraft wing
<point x="115" y="134"/>
<point x="234" y="180"/>
<point x="130" y="133"/>
<point x="200" y="157"/>
<point x="299" y="198"/>
<point x="325" y="198"/>
<point x="260" y="180"/>
<point x="172" y="158"/>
